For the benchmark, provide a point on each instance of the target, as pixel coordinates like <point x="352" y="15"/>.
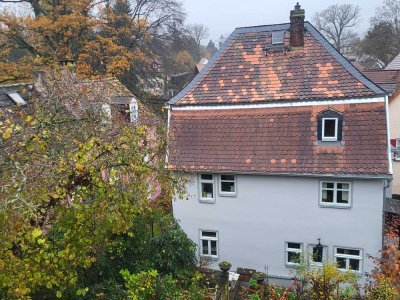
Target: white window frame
<point x="295" y="250"/>
<point x="133" y="110"/>
<point x="212" y="181"/>
<point x="324" y="254"/>
<point x="224" y="193"/>
<point x="209" y="239"/>
<point x="348" y="257"/>
<point x="396" y="157"/>
<point x="335" y="189"/>
<point x="329" y="138"/>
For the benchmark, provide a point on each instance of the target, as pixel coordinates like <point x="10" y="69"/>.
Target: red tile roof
<point x="388" y="80"/>
<point x="278" y="140"/>
<point x="242" y="73"/>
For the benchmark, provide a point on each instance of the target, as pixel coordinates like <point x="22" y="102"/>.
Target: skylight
<point x="277" y="37"/>
<point x="16" y="98"/>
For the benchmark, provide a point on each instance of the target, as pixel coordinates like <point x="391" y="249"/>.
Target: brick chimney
<point x="297" y="26"/>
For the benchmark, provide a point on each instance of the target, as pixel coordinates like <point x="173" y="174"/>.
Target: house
<point x="15" y="94"/>
<point x="286" y="148"/>
<point x="177" y="82"/>
<point x="389" y="80"/>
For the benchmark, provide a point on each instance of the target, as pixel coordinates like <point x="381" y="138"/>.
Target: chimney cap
<point x="297" y="11"/>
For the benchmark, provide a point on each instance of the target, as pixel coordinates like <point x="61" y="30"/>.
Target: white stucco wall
<point x="394" y="121"/>
<point x="270" y="210"/>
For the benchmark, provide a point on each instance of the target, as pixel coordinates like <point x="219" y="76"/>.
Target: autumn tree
<point x="388" y="264"/>
<point x="69" y="180"/>
<point x="336" y="23"/>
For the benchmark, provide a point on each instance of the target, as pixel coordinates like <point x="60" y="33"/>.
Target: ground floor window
<point x="348" y="259"/>
<point x="209" y="243"/>
<point x="293" y="253"/>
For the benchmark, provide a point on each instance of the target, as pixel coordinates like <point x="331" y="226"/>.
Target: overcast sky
<point x="223" y="16"/>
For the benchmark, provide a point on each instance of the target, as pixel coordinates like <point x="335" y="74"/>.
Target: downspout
<point x="389" y="153"/>
<point x="388" y="135"/>
<point x="385" y="187"/>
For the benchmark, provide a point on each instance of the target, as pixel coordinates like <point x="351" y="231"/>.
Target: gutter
<point x="387" y="177"/>
<point x="385" y="187"/>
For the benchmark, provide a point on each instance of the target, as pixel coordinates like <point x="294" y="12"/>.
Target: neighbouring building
<point x="286" y="145"/>
<point x="389" y="80"/>
<point x="17" y="94"/>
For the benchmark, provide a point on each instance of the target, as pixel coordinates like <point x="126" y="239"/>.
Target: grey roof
<point x="278" y="27"/>
<point x="22" y="89"/>
<point x="394" y="64"/>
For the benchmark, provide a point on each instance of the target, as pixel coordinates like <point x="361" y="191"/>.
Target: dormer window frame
<point x="330" y="138"/>
<point x="329" y="115"/>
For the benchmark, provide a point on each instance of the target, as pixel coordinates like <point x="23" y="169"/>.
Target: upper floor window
<point x="336" y="194"/>
<point x="330" y="126"/>
<point x="207" y="188"/>
<point x="227" y="185"/>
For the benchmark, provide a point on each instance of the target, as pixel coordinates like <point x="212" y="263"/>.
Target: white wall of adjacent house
<point x="254" y="223"/>
<point x="394" y="109"/>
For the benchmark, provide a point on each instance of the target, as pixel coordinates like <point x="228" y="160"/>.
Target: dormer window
<point x="330" y="126"/>
<point x="278" y="37"/>
<point x="329" y="129"/>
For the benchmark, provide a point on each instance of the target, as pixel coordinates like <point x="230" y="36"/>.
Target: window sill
<point x="330" y="143"/>
<point x="292" y="265"/>
<point x="208" y="257"/>
<point x="223" y="194"/>
<point x="327" y="205"/>
<point x="209" y="201"/>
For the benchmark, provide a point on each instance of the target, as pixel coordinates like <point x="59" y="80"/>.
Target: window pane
<point x="317" y="254"/>
<point x="327" y="196"/>
<point x="330" y="128"/>
<point x="294" y="257"/>
<point x="209" y="234"/>
<point x="213" y="247"/>
<point x="342" y="197"/>
<point x="348" y="251"/>
<point x="354" y="264"/>
<point x="341" y="262"/>
<point x="228" y="177"/>
<point x="205" y="247"/>
<point x="328" y="185"/>
<point x="207" y="190"/>
<point x="228" y="187"/>
<point x="206" y="176"/>
<point x="343" y="186"/>
<point x="294" y="245"/>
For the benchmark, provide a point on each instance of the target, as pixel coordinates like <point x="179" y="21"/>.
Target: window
<point x="348" y="259"/>
<point x="330" y="123"/>
<point x="278" y="37"/>
<point x="293" y="253"/>
<point x="329" y="129"/>
<point x="227" y="185"/>
<point x="207" y="188"/>
<point x="318" y="254"/>
<point x="133" y="111"/>
<point x="209" y="243"/>
<point x="395" y="148"/>
<point x="335" y="194"/>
